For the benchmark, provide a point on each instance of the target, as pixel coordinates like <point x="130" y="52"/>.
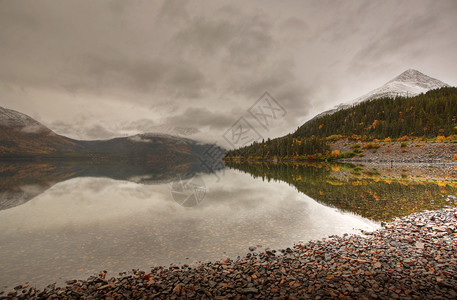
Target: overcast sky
<point x="99" y="69"/>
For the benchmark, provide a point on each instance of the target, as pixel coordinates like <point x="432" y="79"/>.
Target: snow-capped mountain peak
<point x="408" y="84"/>
<point x="417" y="78"/>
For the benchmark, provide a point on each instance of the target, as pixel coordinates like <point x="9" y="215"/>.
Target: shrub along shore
<point x="414" y="257"/>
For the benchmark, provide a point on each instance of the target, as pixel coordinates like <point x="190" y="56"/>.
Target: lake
<point x="62" y="221"/>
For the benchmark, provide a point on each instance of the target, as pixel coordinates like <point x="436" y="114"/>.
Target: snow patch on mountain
<point x="19" y="121"/>
<point x="139" y="139"/>
<point x="159" y="138"/>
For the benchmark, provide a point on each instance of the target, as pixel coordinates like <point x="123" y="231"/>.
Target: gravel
<point x="414" y="257"/>
<point x="414" y="152"/>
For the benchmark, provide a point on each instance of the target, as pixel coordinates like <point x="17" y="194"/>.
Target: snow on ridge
<point x="152" y="136"/>
<point x="408" y="84"/>
<point x="17" y="120"/>
<point x="418" y="79"/>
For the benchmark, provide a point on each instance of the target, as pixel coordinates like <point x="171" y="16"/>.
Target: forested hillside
<point x="430" y="115"/>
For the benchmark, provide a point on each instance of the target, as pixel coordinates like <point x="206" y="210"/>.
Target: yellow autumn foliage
<point x="335" y="153"/>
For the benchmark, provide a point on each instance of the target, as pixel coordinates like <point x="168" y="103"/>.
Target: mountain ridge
<point x="22" y="137"/>
<point x="20" y="121"/>
<point x="410" y="83"/>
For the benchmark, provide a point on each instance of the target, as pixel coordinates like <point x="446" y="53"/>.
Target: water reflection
<point x="188" y="192"/>
<point x="83" y="225"/>
<point x="377" y="192"/>
<point x="22" y="181"/>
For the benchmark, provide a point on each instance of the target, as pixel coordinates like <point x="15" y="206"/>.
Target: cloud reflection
<point x="102" y="223"/>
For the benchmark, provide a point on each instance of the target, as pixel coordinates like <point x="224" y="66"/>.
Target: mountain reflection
<point x="378" y="194"/>
<point x="23" y="181"/>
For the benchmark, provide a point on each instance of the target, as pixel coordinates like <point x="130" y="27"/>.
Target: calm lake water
<point x="69" y="221"/>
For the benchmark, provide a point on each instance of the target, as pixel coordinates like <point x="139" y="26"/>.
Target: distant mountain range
<point x="22" y="137"/>
<point x="408" y="84"/>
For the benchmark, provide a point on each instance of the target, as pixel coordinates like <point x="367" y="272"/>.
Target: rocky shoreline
<point x="412" y="152"/>
<point x="414" y="257"/>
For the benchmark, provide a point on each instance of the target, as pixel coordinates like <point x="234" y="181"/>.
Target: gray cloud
<point x="173" y="9"/>
<point x="201" y="117"/>
<point x="95" y="74"/>
<point x="147" y="125"/>
<point x="82" y="131"/>
<point x="230" y="34"/>
<point x="406" y="37"/>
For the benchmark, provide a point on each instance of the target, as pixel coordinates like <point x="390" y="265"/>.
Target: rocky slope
<point x="411" y="152"/>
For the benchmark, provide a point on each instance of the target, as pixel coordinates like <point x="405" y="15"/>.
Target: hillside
<point x="430" y="114"/>
<point x="19" y="143"/>
<point x="426" y="116"/>
<point x="22" y="137"/>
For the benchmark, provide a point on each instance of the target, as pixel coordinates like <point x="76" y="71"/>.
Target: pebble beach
<point x="414" y="257"/>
